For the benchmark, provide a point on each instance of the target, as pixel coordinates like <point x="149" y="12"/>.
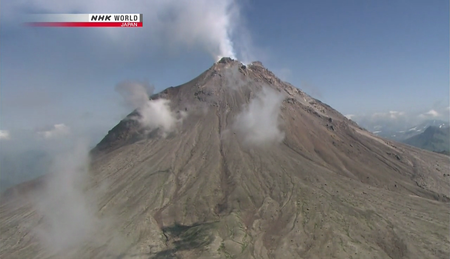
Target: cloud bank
<point x="258" y="123"/>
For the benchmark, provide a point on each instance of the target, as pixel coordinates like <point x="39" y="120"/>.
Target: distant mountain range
<point x="434" y="138"/>
<point x="431" y="135"/>
<point x="401" y="133"/>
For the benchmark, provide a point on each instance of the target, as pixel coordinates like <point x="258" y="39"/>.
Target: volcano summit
<point x="251" y="167"/>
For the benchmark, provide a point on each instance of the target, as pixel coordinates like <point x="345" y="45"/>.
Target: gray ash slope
<point x="325" y="189"/>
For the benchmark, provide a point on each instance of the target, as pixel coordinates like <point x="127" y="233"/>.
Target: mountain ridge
<point x="433" y="138"/>
<point x="406" y="130"/>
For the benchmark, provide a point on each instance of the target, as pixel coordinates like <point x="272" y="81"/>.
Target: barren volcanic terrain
<point x="252" y="168"/>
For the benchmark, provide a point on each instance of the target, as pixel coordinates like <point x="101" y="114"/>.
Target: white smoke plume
<point x="258" y="123"/>
<point x="67" y="211"/>
<point x="135" y="94"/>
<point x="157" y="113"/>
<point x="207" y="23"/>
<point x="204" y="24"/>
<point x="153" y="113"/>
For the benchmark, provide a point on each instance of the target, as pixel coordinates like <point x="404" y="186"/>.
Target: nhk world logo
<point x="115" y="17"/>
<point x="86" y="20"/>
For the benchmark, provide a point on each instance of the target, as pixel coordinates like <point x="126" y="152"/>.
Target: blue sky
<point x="364" y="56"/>
<point x="360" y="57"/>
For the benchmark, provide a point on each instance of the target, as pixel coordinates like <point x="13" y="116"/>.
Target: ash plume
<point x="152" y="113"/>
<point x="258" y="123"/>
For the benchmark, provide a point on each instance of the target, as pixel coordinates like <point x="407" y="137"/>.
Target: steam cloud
<point x="259" y="122"/>
<point x="208" y="25"/>
<point x="153" y="113"/>
<point x="68" y="215"/>
<point x="203" y="22"/>
<point x="135" y="94"/>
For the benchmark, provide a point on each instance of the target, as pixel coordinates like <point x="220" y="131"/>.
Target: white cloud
<point x="395" y="114"/>
<point x="258" y="123"/>
<point x="157" y="113"/>
<point x="432" y="113"/>
<point x="4" y="135"/>
<point x="57" y="131"/>
<point x="152" y="113"/>
<point x="350" y="116"/>
<point x="135" y="94"/>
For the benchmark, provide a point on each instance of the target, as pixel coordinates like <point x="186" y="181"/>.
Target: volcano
<point x="252" y="168"/>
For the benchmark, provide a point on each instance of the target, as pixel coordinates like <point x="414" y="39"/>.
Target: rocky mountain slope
<point x="253" y="168"/>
